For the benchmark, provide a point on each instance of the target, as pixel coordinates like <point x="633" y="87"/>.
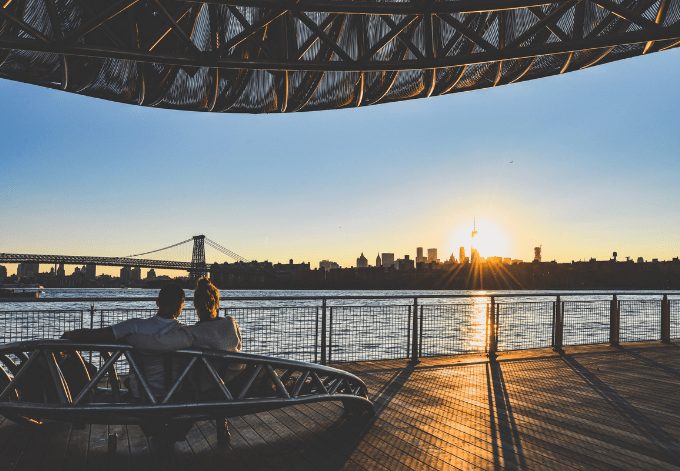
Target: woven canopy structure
<point x="261" y="56"/>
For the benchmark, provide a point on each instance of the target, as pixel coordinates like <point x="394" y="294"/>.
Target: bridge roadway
<point x="101" y="261"/>
<point x="591" y="408"/>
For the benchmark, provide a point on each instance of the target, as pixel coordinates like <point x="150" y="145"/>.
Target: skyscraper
<point x="432" y="255"/>
<point x="461" y="254"/>
<point x="362" y="262"/>
<point x="474" y="255"/>
<point x="537" y="254"/>
<point x="135" y="274"/>
<point x="28" y="270"/>
<point x="90" y="271"/>
<point x="378" y="261"/>
<point x="420" y="257"/>
<point x="387" y="259"/>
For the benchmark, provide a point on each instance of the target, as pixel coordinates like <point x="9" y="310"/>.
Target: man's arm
<point x="103" y="335"/>
<point x="177" y="339"/>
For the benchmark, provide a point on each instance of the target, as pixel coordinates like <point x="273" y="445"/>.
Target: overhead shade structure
<point x="262" y="56"/>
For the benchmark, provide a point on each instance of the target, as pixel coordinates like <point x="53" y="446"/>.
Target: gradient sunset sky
<point x="595" y="168"/>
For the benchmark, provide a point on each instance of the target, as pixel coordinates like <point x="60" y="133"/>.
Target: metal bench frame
<point x="293" y="383"/>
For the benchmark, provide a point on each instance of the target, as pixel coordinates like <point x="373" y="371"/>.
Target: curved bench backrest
<point x="197" y="383"/>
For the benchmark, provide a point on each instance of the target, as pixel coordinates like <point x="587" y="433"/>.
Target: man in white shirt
<point x="170" y="303"/>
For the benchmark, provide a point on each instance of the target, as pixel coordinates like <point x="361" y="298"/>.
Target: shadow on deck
<point x="591" y="407"/>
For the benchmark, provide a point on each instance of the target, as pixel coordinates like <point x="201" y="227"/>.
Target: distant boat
<point x="14" y="294"/>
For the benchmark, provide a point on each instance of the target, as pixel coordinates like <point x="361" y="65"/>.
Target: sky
<point x="583" y="164"/>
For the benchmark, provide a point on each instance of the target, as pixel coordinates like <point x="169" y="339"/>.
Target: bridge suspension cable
<point x="161" y="249"/>
<point x="225" y="251"/>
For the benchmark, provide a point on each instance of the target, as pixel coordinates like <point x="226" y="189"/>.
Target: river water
<point x="360" y="328"/>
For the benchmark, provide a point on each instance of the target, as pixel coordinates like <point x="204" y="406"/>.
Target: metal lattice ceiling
<point x="258" y="56"/>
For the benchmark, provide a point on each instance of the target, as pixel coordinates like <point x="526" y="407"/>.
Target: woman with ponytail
<point x="212" y="331"/>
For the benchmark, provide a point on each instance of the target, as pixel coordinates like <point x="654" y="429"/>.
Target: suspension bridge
<point x="196" y="267"/>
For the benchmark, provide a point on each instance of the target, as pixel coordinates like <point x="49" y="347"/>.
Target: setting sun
<point x="490" y="239"/>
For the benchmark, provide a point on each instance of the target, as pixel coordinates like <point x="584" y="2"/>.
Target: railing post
<point x="665" y="319"/>
<point x="330" y="336"/>
<point x="493" y="334"/>
<point x="420" y="333"/>
<point x="558" y="325"/>
<point x="316" y="336"/>
<point x="323" y="331"/>
<point x="408" y="332"/>
<point x="614" y="321"/>
<point x="414" y="331"/>
<point x="91" y="316"/>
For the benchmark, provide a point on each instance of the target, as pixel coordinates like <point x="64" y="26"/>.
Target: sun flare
<point x="490" y="239"/>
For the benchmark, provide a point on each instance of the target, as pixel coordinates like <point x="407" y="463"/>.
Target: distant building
<point x="151" y="274"/>
<point x="452" y="259"/>
<point x="3" y="273"/>
<point x="420" y="257"/>
<point x="291" y="268"/>
<point x="28" y="270"/>
<point x="432" y="256"/>
<point x="362" y="262"/>
<point x="474" y="256"/>
<point x="405" y="263"/>
<point x="135" y="274"/>
<point x="537" y="254"/>
<point x="328" y="265"/>
<point x="640" y="260"/>
<point x="125" y="274"/>
<point x="461" y="255"/>
<point x="61" y="271"/>
<point x="378" y="261"/>
<point x="90" y="271"/>
<point x="494" y="260"/>
<point x="387" y="260"/>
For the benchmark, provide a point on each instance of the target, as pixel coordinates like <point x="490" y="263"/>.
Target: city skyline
<point x="564" y="169"/>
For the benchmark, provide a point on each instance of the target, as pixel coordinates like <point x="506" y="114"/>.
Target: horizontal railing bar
<point x="340" y="297"/>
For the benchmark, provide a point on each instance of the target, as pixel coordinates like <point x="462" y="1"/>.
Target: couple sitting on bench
<point x="163" y="333"/>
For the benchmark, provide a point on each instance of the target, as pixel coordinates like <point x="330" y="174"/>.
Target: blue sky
<point x="596" y="161"/>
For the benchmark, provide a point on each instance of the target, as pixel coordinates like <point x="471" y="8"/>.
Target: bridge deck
<point x="593" y="408"/>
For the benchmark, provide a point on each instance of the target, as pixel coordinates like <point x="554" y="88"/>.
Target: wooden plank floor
<point x="591" y="408"/>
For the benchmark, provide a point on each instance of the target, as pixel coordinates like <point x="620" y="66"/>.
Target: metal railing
<point x="355" y="328"/>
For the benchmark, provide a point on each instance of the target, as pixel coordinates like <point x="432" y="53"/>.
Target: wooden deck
<point x="592" y="408"/>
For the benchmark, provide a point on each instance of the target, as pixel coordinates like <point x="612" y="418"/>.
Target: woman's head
<point x="206" y="299"/>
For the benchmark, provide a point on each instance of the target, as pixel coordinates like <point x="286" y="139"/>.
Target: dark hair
<point x="171" y="297"/>
<point x="206" y="297"/>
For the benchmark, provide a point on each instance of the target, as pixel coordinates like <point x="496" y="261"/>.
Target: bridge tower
<point x="198" y="267"/>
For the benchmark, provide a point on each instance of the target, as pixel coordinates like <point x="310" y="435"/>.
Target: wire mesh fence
<point x="675" y="318"/>
<point x="375" y="331"/>
<point x="640" y="320"/>
<point x="368" y="332"/>
<point x="30" y="325"/>
<point x="285" y="332"/>
<point x="585" y="322"/>
<point x="450" y="329"/>
<point x="525" y="325"/>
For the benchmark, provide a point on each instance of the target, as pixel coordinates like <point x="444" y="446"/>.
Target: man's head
<point x="170" y="301"/>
